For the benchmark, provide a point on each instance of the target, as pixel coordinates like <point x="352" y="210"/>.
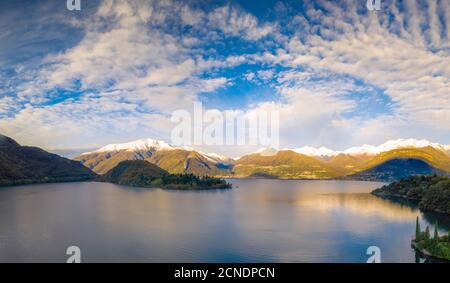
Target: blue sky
<point x="339" y="75"/>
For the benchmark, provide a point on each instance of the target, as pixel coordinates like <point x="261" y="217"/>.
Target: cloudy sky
<point x="338" y="74"/>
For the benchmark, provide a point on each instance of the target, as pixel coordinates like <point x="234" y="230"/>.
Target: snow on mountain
<point x="312" y="151"/>
<point x="216" y="156"/>
<point x="372" y="150"/>
<point x="266" y="151"/>
<point x="138" y="145"/>
<point x="155" y="145"/>
<point x="151" y="144"/>
<point x="394" y="144"/>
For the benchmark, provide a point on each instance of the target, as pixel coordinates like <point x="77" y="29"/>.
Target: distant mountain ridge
<point x="301" y="163"/>
<point x="402" y="158"/>
<point x="299" y="166"/>
<point x="284" y="164"/>
<point x="373" y="150"/>
<point x="145" y="145"/>
<point x="175" y="160"/>
<point x="28" y="165"/>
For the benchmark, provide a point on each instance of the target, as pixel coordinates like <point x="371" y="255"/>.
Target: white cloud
<point x="411" y="65"/>
<point x="237" y="23"/>
<point x="250" y="76"/>
<point x="140" y="71"/>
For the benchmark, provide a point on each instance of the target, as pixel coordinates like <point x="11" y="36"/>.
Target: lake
<point x="256" y="221"/>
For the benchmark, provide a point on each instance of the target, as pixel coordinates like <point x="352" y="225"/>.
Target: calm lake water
<point x="257" y="221"/>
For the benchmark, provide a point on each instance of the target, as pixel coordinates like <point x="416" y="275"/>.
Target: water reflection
<point x="257" y="221"/>
<point x="361" y="204"/>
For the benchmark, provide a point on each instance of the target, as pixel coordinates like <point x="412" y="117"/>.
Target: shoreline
<point x="396" y="197"/>
<point x="427" y="254"/>
<point x="300" y="179"/>
<point x="17" y="184"/>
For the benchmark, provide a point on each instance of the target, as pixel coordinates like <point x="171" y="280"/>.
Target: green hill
<point x="27" y="165"/>
<point x="134" y="173"/>
<point x="140" y="173"/>
<point x="431" y="192"/>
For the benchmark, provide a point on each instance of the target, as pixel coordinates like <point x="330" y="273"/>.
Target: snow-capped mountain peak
<point x="156" y="145"/>
<point x="138" y="145"/>
<point x="312" y="151"/>
<point x="393" y="144"/>
<point x="371" y="149"/>
<point x="152" y="144"/>
<point x="217" y="158"/>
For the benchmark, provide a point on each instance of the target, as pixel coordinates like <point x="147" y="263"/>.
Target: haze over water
<point x="257" y="221"/>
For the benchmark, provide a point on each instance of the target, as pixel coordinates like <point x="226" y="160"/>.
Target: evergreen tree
<point x="418" y="232"/>
<point x="436" y="234"/>
<point x="427" y="234"/>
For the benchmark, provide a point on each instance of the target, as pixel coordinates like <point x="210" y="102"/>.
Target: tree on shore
<point x="436" y="234"/>
<point x="418" y="232"/>
<point x="427" y="234"/>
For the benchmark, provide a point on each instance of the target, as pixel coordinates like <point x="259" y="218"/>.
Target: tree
<point x="436" y="234"/>
<point x="427" y="234"/>
<point x="418" y="232"/>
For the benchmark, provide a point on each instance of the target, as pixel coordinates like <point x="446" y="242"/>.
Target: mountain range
<point x="26" y="165"/>
<point x="390" y="161"/>
<point x="365" y="162"/>
<point x="175" y="160"/>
